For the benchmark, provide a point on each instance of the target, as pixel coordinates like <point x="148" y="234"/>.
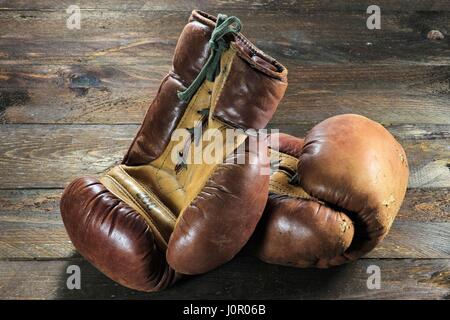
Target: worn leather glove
<point x="151" y="219"/>
<point x="333" y="195"/>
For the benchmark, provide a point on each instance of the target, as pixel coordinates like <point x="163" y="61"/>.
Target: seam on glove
<point x="149" y="221"/>
<point x="151" y="195"/>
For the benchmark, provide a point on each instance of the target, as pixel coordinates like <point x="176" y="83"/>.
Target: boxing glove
<point x="333" y="195"/>
<point x="159" y="215"/>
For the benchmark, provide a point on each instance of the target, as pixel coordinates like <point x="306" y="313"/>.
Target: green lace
<point x="217" y="45"/>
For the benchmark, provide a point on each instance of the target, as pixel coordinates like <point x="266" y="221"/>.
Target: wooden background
<point x="72" y="100"/>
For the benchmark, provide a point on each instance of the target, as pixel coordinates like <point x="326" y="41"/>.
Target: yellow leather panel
<point x="169" y="191"/>
<point x="160" y="219"/>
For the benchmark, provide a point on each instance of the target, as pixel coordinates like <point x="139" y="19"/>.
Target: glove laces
<point x="217" y="44"/>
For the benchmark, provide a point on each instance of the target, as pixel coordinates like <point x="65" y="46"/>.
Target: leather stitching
<point x="281" y="189"/>
<point x="190" y="108"/>
<point x="287" y="161"/>
<point x="224" y="81"/>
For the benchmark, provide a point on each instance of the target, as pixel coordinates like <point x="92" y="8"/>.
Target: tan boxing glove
<point x="333" y="195"/>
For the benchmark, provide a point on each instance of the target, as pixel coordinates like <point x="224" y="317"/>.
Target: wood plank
<point x="385" y="106"/>
<point x="49" y="156"/>
<point x="174" y="5"/>
<point x="39" y="150"/>
<point x="426" y="205"/>
<point x="326" y="37"/>
<point x="108" y="72"/>
<point x="242" y="278"/>
<point x="42" y="236"/>
<point x="420" y="205"/>
<point x="430" y="240"/>
<point x="98" y="93"/>
<point x="326" y="78"/>
<point x="32" y="227"/>
<point x="18" y="202"/>
<point x="32" y="236"/>
<point x="418" y="131"/>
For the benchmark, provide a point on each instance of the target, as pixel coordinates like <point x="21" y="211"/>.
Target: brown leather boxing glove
<point x="333" y="195"/>
<point x="152" y="218"/>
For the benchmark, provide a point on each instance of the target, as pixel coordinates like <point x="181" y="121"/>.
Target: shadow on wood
<point x="247" y="278"/>
<point x="242" y="278"/>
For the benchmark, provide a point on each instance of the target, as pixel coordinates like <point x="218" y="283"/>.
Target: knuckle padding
<point x="113" y="236"/>
<point x="220" y="220"/>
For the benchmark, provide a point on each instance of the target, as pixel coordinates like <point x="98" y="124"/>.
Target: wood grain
<point x="34" y="236"/>
<point x="418" y="131"/>
<point x="43" y="152"/>
<point x="426" y="205"/>
<point x="415" y="240"/>
<point x="175" y="5"/>
<point x="242" y="278"/>
<point x="42" y="236"/>
<point x="50" y="156"/>
<point x="32" y="227"/>
<point x="97" y="93"/>
<point x="420" y="205"/>
<point x="71" y="102"/>
<point x="320" y="37"/>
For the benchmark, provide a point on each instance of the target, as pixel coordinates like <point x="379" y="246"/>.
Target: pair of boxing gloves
<point x="329" y="198"/>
